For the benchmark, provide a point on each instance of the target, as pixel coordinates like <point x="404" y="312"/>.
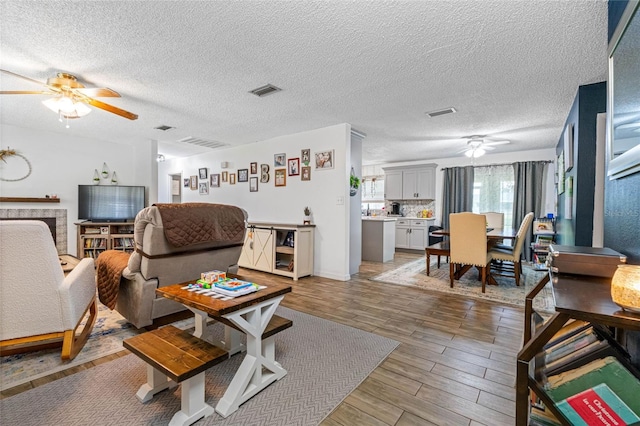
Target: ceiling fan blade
<point x="110" y="108"/>
<point x="99" y="92"/>
<point x="487" y="147"/>
<point x="23" y="77"/>
<point x="27" y="92"/>
<point x="488" y="143"/>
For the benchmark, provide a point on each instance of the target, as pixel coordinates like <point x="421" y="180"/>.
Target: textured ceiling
<point x="510" y="68"/>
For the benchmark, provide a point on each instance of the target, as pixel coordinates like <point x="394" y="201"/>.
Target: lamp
<point x="160" y="158"/>
<point x="67" y="107"/>
<point x="625" y="287"/>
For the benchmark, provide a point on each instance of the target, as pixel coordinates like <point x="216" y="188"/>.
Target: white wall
<point x="61" y="162"/>
<point x="549" y="195"/>
<point x="326" y="194"/>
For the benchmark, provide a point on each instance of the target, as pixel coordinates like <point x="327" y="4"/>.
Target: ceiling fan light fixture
<point x="67" y="107"/>
<point x="475" y="152"/>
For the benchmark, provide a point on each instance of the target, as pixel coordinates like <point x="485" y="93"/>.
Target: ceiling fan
<point x="70" y="97"/>
<point x="477" y="146"/>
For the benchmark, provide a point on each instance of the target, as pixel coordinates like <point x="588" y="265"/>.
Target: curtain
<point x="493" y="191"/>
<point x="529" y="179"/>
<point x="457" y="193"/>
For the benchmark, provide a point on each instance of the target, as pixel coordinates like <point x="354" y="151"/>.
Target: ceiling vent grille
<point x="202" y="142"/>
<point x="265" y="90"/>
<point x="164" y="128"/>
<point x="449" y="110"/>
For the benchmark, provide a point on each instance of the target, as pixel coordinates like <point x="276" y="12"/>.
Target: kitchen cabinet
<point x="412" y="233"/>
<point x="378" y="239"/>
<point x="410" y="183"/>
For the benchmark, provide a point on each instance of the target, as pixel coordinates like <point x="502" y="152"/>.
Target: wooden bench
<point x="275" y="326"/>
<point x="437" y="249"/>
<point x="173" y="356"/>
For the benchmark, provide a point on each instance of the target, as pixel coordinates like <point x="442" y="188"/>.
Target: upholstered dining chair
<point x="468" y="244"/>
<point x="512" y="254"/>
<point x="495" y="220"/>
<point x="39" y="306"/>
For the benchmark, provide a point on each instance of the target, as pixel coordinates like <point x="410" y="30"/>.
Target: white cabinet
<point x="412" y="233"/>
<point x="279" y="249"/>
<point x="410" y="183"/>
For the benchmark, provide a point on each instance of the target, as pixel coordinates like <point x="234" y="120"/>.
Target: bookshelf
<point x="544" y="233"/>
<point x="581" y="298"/>
<point x="96" y="237"/>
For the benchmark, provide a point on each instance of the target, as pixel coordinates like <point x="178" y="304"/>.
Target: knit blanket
<point x="109" y="267"/>
<point x="193" y="223"/>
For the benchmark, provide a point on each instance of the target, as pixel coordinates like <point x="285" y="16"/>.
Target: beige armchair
<point x="513" y="254"/>
<point x="39" y="306"/>
<point x="468" y="244"/>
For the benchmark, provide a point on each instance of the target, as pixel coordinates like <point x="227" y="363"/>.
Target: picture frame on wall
<point x="204" y="188"/>
<point x="203" y="173"/>
<point x="264" y="173"/>
<point x="568" y="147"/>
<point x="280" y="177"/>
<point x="293" y="164"/>
<point x="253" y="184"/>
<point x="560" y="171"/>
<point x="280" y="160"/>
<point x="193" y="182"/>
<point x="305" y="156"/>
<point x="215" y="180"/>
<point x="254" y="168"/>
<point x="324" y="160"/>
<point x="306" y="173"/>
<point x="186" y="182"/>
<point x="243" y="175"/>
<point x="232" y="178"/>
<point x="225" y="176"/>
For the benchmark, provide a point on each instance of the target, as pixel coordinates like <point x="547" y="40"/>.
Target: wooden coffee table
<point x="68" y="262"/>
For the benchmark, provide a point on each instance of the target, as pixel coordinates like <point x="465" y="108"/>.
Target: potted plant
<point x="354" y="183"/>
<point x="307" y="216"/>
<point x="96" y="177"/>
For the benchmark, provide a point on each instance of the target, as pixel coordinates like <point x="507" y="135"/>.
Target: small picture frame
<point x="293" y="164"/>
<point x="306" y="173"/>
<point x="324" y="160"/>
<point x="186" y="182"/>
<point x="568" y="147"/>
<point x="225" y="176"/>
<point x="280" y="160"/>
<point x="215" y="180"/>
<point x="264" y="173"/>
<point x="254" y="168"/>
<point x="280" y="177"/>
<point x="243" y="175"/>
<point x="253" y="184"/>
<point x="193" y="182"/>
<point x="305" y="156"/>
<point x="203" y="173"/>
<point x="104" y="230"/>
<point x="203" y="188"/>
<point x="232" y="178"/>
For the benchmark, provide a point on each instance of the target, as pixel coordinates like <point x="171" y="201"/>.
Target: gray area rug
<point x="414" y="274"/>
<point x="325" y="362"/>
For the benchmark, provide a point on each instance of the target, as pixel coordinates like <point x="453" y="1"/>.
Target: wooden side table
<point x="68" y="262"/>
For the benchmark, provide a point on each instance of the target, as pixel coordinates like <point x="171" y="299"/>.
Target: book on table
<point x="598" y="405"/>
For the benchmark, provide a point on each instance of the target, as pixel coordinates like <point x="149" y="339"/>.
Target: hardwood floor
<point x="455" y="364"/>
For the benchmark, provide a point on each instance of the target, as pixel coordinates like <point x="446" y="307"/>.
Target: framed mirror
<point x="623" y="103"/>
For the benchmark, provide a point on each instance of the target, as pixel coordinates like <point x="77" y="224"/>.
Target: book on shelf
<point x="570" y="344"/>
<point x="597" y="349"/>
<point x="569" y="329"/>
<point x="542" y="417"/>
<point x="598" y="405"/>
<point x="608" y="370"/>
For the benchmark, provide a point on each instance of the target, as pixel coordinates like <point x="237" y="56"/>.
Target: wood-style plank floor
<point x="455" y="364"/>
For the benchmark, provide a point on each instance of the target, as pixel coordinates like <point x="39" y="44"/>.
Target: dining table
<point x="250" y="314"/>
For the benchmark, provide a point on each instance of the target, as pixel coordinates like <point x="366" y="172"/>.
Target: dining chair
<point x="512" y="255"/>
<point x="468" y="245"/>
<point x="495" y="220"/>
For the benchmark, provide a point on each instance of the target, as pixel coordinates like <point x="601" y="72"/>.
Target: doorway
<point x="176" y="188"/>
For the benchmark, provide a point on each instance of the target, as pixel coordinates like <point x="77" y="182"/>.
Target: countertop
<point x="380" y="218"/>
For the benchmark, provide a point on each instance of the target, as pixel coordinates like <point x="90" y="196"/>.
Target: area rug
<point x="325" y="362"/>
<point x="414" y="274"/>
<point x="106" y="338"/>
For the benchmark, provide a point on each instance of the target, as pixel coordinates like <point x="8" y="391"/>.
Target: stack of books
<point x="233" y="288"/>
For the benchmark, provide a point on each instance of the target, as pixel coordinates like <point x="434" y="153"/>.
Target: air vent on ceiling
<point x="163" y="127"/>
<point x="202" y="142"/>
<point x="449" y="110"/>
<point x="265" y="90"/>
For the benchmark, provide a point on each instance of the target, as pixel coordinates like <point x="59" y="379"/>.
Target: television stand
<point x="96" y="237"/>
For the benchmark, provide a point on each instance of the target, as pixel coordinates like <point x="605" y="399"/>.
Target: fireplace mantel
<point x="28" y="200"/>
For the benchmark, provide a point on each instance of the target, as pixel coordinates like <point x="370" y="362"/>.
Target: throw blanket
<point x="193" y="223"/>
<point x="109" y="267"/>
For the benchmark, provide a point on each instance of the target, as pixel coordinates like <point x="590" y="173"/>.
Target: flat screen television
<point x="99" y="203"/>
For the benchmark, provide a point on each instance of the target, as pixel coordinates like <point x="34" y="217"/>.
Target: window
<point x="373" y="188"/>
<point x="493" y="191"/>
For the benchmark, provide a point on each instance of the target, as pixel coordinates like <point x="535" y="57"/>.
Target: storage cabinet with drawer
<point x="412" y="233"/>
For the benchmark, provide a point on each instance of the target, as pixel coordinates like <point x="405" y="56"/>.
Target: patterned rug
<point x="106" y="338"/>
<point x="414" y="274"/>
<point x="325" y="362"/>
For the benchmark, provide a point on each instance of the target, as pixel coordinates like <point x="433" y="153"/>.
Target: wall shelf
<point x="28" y="200"/>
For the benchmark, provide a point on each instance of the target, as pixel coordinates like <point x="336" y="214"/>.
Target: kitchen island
<point x="378" y="238"/>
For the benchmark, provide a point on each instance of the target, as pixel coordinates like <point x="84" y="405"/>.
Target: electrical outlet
<point x="340" y="200"/>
